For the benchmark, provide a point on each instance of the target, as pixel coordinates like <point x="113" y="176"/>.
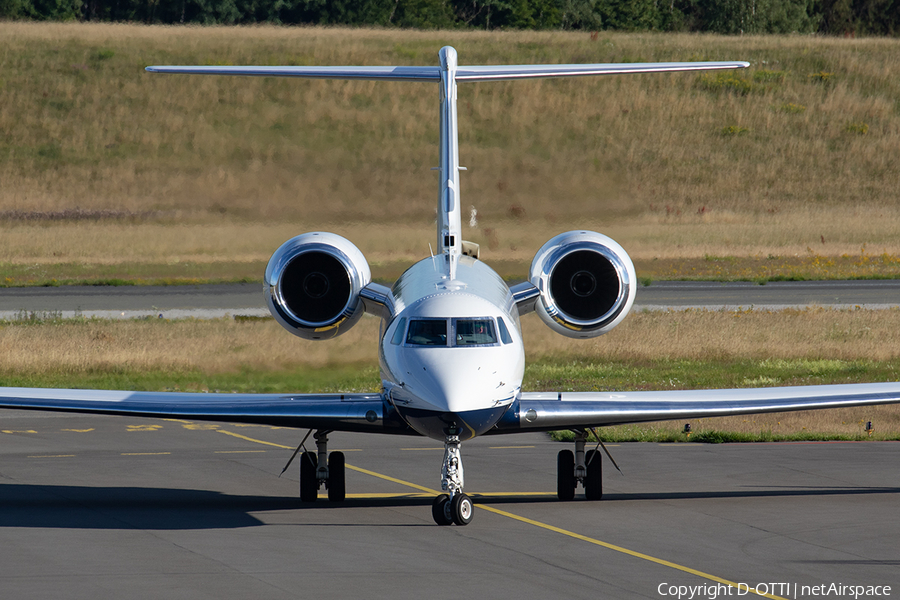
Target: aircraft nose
<point x="461" y="392"/>
<point x="461" y="380"/>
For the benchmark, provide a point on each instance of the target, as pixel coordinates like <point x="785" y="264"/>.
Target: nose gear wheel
<point x="440" y="510"/>
<point x="461" y="509"/>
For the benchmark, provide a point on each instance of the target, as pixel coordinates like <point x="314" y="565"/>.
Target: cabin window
<point x="504" y="332"/>
<point x="427" y="332"/>
<point x="397" y="338"/>
<point x="474" y="332"/>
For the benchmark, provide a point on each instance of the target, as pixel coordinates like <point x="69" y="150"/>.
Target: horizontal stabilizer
<point x="474" y="73"/>
<point x="362" y="73"/>
<point x="502" y="73"/>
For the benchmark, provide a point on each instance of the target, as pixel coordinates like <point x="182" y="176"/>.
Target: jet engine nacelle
<point x="587" y="283"/>
<point x="313" y="282"/>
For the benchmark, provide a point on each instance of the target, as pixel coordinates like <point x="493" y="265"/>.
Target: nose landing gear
<point x="447" y="511"/>
<point x="454" y="506"/>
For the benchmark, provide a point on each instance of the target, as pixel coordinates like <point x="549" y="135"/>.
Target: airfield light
<point x="869" y="428"/>
<point x="687" y="429"/>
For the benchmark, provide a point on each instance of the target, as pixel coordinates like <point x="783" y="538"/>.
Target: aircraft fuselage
<point x="451" y="350"/>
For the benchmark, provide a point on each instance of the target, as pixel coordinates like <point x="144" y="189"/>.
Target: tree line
<point x="832" y="17"/>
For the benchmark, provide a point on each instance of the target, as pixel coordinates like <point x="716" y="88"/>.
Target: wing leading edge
<point x="576" y="410"/>
<point x="341" y="412"/>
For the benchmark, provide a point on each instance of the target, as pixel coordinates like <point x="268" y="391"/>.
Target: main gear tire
<point x="565" y="475"/>
<point x="309" y="486"/>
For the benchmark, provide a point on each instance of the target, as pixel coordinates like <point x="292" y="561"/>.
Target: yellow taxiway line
<point x="515" y="517"/>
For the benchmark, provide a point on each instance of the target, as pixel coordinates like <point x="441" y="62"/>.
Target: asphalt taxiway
<point x="113" y="507"/>
<point x="217" y="300"/>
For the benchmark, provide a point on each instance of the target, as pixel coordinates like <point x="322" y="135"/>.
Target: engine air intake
<point x="587" y="283"/>
<point x="315" y="287"/>
<point x="313" y="283"/>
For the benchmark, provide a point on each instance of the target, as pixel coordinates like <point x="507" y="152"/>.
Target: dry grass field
<point x="650" y="350"/>
<point x="109" y="172"/>
<point x="828" y="342"/>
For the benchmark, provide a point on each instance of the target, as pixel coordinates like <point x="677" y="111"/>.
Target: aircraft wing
<point x="543" y="411"/>
<point x="337" y="412"/>
<point x="370" y="413"/>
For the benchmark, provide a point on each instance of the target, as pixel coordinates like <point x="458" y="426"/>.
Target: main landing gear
<point x="454" y="506"/>
<point x="318" y="469"/>
<point x="572" y="469"/>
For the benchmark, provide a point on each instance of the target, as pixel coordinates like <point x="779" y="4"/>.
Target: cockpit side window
<point x="504" y="332"/>
<point x="474" y="332"/>
<point x="397" y="338"/>
<point x="427" y="332"/>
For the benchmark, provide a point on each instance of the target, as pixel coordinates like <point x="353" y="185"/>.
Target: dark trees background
<point x="832" y="17"/>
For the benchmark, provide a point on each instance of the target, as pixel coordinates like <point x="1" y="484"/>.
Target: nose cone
<point x="456" y="391"/>
<point x="461" y="379"/>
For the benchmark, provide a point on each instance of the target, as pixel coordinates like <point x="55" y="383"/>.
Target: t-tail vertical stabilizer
<point x="449" y="221"/>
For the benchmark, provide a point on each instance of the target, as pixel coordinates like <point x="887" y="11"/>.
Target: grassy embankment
<point x="685" y="350"/>
<point x="785" y="170"/>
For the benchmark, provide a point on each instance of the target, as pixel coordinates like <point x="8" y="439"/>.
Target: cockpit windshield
<point x="474" y="332"/>
<point x="427" y="332"/>
<point x="465" y="332"/>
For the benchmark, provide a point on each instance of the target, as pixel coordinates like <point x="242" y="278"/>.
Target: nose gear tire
<point x="439" y="510"/>
<point x="461" y="509"/>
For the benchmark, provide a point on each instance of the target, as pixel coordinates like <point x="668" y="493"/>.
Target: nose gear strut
<point x="453" y="506"/>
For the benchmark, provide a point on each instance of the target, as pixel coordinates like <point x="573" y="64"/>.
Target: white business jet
<point x="450" y="345"/>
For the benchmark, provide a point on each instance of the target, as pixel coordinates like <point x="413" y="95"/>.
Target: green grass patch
<point x="578" y="374"/>
<point x="857" y="128"/>
<point x="661" y="435"/>
<point x="733" y="130"/>
<point x="181" y="273"/>
<point x="793" y="108"/>
<point x="728" y="82"/>
<point x="333" y="379"/>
